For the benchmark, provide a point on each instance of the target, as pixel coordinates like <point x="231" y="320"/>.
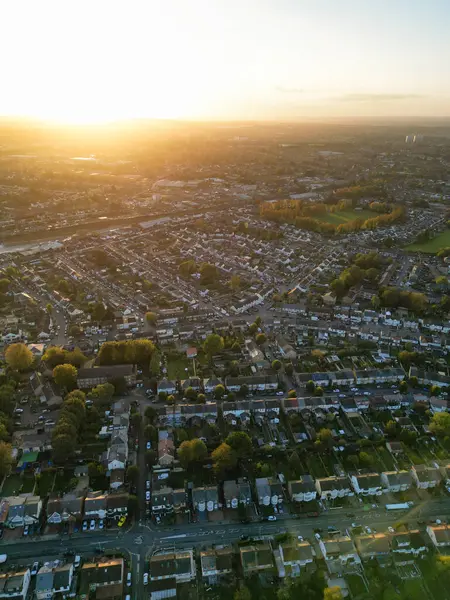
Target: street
<point x="141" y="540"/>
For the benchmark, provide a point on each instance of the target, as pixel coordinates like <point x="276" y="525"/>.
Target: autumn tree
<point x="65" y="376"/>
<point x="213" y="344"/>
<point x="261" y="339"/>
<point x="151" y="318"/>
<point x="224" y="458"/>
<point x="240" y="442"/>
<point x="5" y="459"/>
<point x="219" y="392"/>
<point x="18" y="357"/>
<point x="440" y="424"/>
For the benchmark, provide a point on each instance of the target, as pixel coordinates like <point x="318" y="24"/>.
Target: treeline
<point x="259" y="232"/>
<point x="365" y="266"/>
<point x="302" y="216"/>
<point x="356" y="192"/>
<point x="393" y="298"/>
<point x="126" y="352"/>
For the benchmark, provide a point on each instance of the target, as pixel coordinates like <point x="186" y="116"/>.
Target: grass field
<point x="344" y="216"/>
<point x="432" y="246"/>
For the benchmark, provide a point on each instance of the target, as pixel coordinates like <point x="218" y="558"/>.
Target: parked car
<point x="271" y="518"/>
<point x="85" y="525"/>
<point x="92" y="525"/>
<point x="129" y="579"/>
<point x="147" y="485"/>
<point x="77" y="561"/>
<point x="100" y="524"/>
<point x="35" y="568"/>
<point x="145" y="578"/>
<point x="147" y="496"/>
<point x="149" y="445"/>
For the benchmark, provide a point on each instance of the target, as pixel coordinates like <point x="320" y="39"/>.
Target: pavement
<point x="142" y="539"/>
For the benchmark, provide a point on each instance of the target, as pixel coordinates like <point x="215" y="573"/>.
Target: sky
<point x="97" y="60"/>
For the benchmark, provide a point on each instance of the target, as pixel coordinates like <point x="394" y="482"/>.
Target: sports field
<point x="344" y="216"/>
<point x="432" y="246"/>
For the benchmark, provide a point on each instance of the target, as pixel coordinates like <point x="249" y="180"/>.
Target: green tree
<point x="253" y="328"/>
<point x="435" y="390"/>
<point x="235" y="282"/>
<point x="199" y="450"/>
<point x="403" y="387"/>
<point x="365" y="459"/>
<point x="63" y="447"/>
<point x="318" y="391"/>
<point x="261" y="339"/>
<point x="74" y="331"/>
<point x="18" y="357"/>
<point x="150" y="414"/>
<point x="353" y="460"/>
<point x="295" y="464"/>
<point x="440" y="424"/>
<point x="162" y="396"/>
<point x="213" y="344"/>
<point x="243" y="390"/>
<point x="310" y="386"/>
<point x="224" y="458"/>
<point x="170" y="399"/>
<point x="292" y="394"/>
<point x="201" y="398"/>
<point x="135" y="420"/>
<point x="155" y="364"/>
<point x="332" y="593"/>
<point x="95" y="470"/>
<point x="208" y="274"/>
<point x="241" y="443"/>
<point x="242" y="593"/>
<point x="103" y="391"/>
<point x="133" y="506"/>
<point x="185" y="453"/>
<point x="151" y="458"/>
<point x="151" y="433"/>
<point x="219" y="392"/>
<point x="325" y="436"/>
<point x="49" y="308"/>
<point x="151" y="318"/>
<point x="190" y="393"/>
<point x="133" y="474"/>
<point x="5" y="459"/>
<point x="65" y="376"/>
<point x="276" y="365"/>
<point x="181" y="434"/>
<point x="413" y="381"/>
<point x="187" y="268"/>
<point x="289" y="369"/>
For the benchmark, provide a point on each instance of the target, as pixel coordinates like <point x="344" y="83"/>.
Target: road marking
<point x="138" y="540"/>
<point x="174" y="537"/>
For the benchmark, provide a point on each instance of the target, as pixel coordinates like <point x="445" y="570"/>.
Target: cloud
<point x="377" y="97"/>
<point x="289" y="90"/>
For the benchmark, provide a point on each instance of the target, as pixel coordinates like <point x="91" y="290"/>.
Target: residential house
<point x="45" y="390"/>
<point x="179" y="500"/>
<point x="396" y="481"/>
<point x="15" y="584"/>
<point x="117" y="453"/>
<point x="162" y="500"/>
<point x="23" y="510"/>
<point x="52" y="580"/>
<point x="116" y="505"/>
<point x="259" y="383"/>
<point x="95" y="505"/>
<point x="367" y="484"/>
<point x="65" y="509"/>
<point x="195" y="413"/>
<point x="163" y="588"/>
<point x="166" y="452"/>
<point x="193" y="382"/>
<point x="302" y="490"/>
<point x="439" y="535"/>
<point x="333" y="487"/>
<point x="425" y="477"/>
<point x="268" y="491"/>
<point x="116" y="479"/>
<point x="206" y="498"/>
<point x="439" y="404"/>
<point x="375" y="545"/>
<point x="216" y="562"/>
<point x="178" y="565"/>
<point x="340" y="554"/>
<point x="370" y="376"/>
<point x="256" y="558"/>
<point x="236" y="492"/>
<point x="167" y="386"/>
<point x="103" y="579"/>
<point x="91" y="377"/>
<point x="291" y="557"/>
<point x="236" y="411"/>
<point x="406" y="546"/>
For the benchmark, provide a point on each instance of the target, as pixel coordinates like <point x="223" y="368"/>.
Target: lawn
<point x="45" y="485"/>
<point x="344" y="216"/>
<point x="176" y="368"/>
<point x="63" y="479"/>
<point x="432" y="246"/>
<point x="356" y="585"/>
<point x="12" y="485"/>
<point x="27" y="484"/>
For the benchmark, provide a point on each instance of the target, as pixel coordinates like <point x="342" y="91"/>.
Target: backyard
<point x="432" y="246"/>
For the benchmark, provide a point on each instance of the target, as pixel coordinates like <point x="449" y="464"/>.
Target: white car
<point x="368" y="530"/>
<point x="145" y="578"/>
<point x="147" y="496"/>
<point x="128" y="579"/>
<point x="77" y="561"/>
<point x="163" y="476"/>
<point x="147" y="485"/>
<point x="149" y="445"/>
<point x="280" y="393"/>
<point x="34" y="568"/>
<point x="391" y="529"/>
<point x="100" y="524"/>
<point x="271" y="518"/>
<point x="85" y="526"/>
<point x="92" y="525"/>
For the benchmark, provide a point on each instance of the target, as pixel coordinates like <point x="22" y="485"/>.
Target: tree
<point x="243" y="593"/>
<point x="199" y="450"/>
<point x="289" y="369"/>
<point x="332" y="593"/>
<point x="235" y="282"/>
<point x="170" y="399"/>
<point x="219" y="392"/>
<point x="325" y="436"/>
<point x="261" y="339"/>
<point x="201" y="398"/>
<point x="74" y="331"/>
<point x="276" y="365"/>
<point x="151" y="433"/>
<point x="353" y="460"/>
<point x="133" y="474"/>
<point x="151" y="318"/>
<point x="190" y="393"/>
<point x="440" y="424"/>
<point x="181" y="434"/>
<point x="63" y="447"/>
<point x="243" y="390"/>
<point x="310" y="386"/>
<point x="5" y="459"/>
<point x="403" y="387"/>
<point x="318" y="391"/>
<point x="295" y="464"/>
<point x="49" y="308"/>
<point x="135" y="420"/>
<point x="187" y="267"/>
<point x="292" y="394"/>
<point x="162" y="396"/>
<point x="185" y="453"/>
<point x="435" y="390"/>
<point x="151" y="458"/>
<point x="365" y="459"/>
<point x="155" y="364"/>
<point x="133" y="505"/>
<point x="253" y="328"/>
<point x="208" y="274"/>
<point x="150" y="414"/>
<point x="102" y="391"/>
<point x="95" y="470"/>
<point x="18" y="357"/>
<point x="213" y="344"/>
<point x="240" y="442"/>
<point x="65" y="376"/>
<point x="391" y="428"/>
<point x="224" y="458"/>
<point x="413" y="380"/>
